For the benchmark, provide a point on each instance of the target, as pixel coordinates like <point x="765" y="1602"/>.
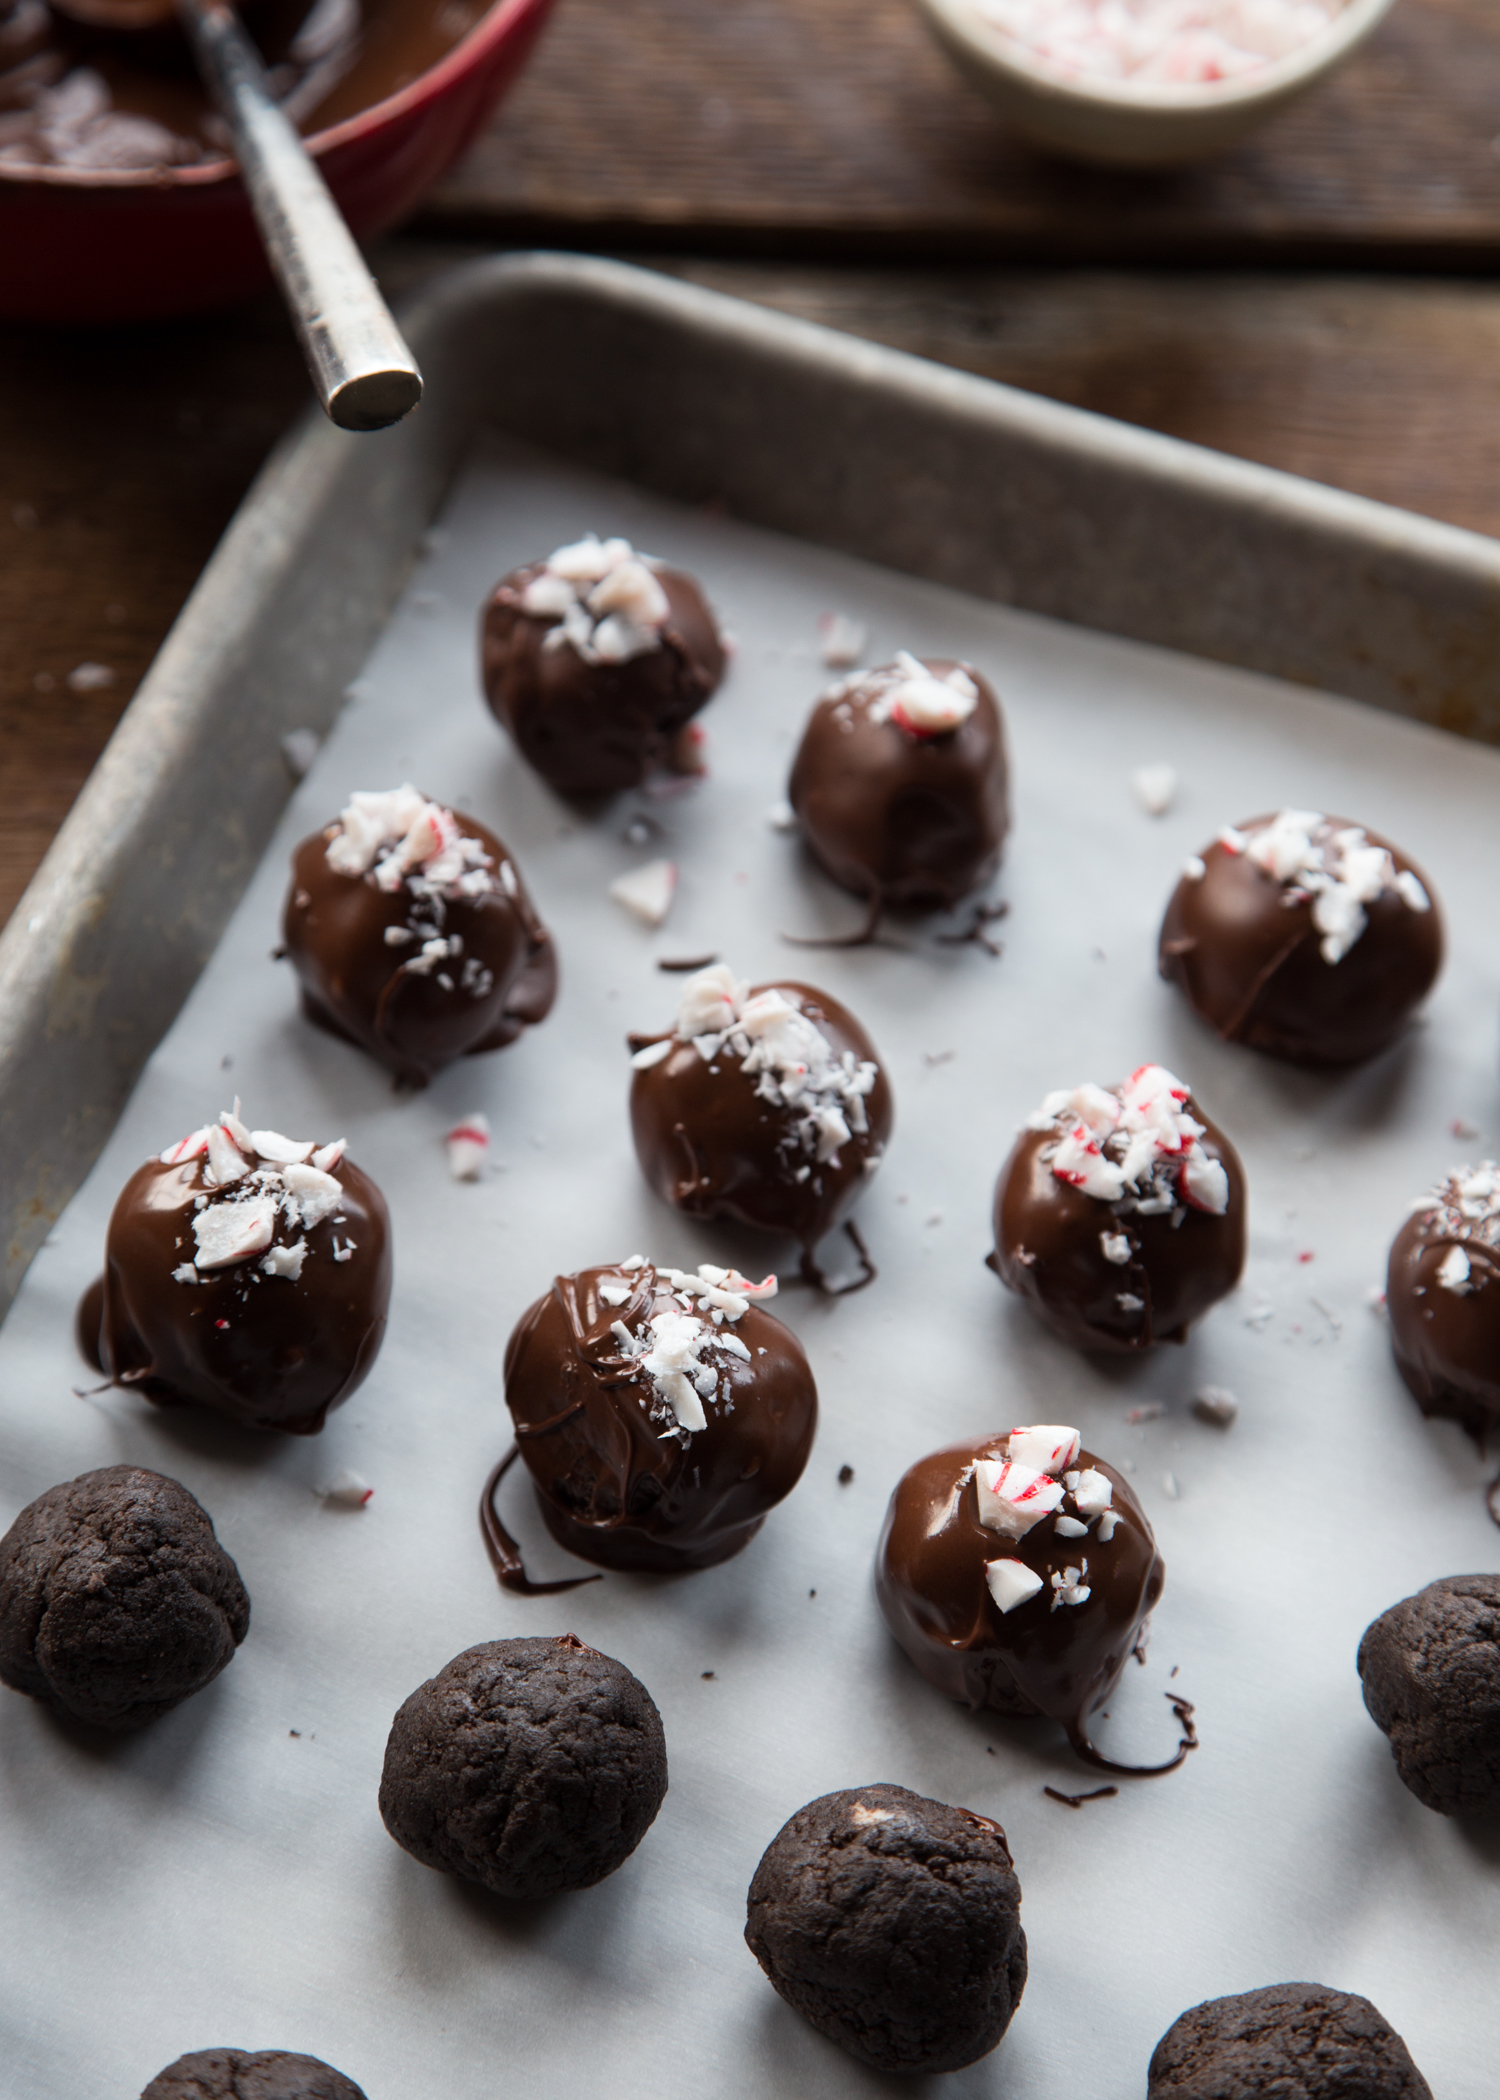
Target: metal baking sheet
<point x="224" y="1877"/>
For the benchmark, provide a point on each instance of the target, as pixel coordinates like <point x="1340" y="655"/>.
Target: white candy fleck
<point x="1155" y="788"/>
<point x="918" y="699"/>
<point x="1216" y="1405"/>
<point x="1453" y="1272"/>
<point x="185" y="1273"/>
<point x="781" y="817"/>
<point x="1010" y="1582"/>
<point x="232" y="1231"/>
<point x="1195" y="867"/>
<point x="285" y="1261"/>
<point x="1069" y="1587"/>
<point x="652" y="1054"/>
<point x="1128" y="1302"/>
<point x="316" y="1195"/>
<point x="348" y="1490"/>
<point x="647" y="892"/>
<point x="841" y="640"/>
<point x="1169" y="1487"/>
<point x="1094" y="1492"/>
<point x="1115" y="1247"/>
<point x="1107" y="1524"/>
<point x="1070" y="1528"/>
<point x="269" y="1144"/>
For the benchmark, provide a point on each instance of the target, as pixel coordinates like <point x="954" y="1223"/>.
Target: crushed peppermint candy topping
<point x="1334" y="866"/>
<point x="647" y="892"/>
<point x="792" y="1062"/>
<point x="1011" y="1582"/>
<point x="346" y="1490"/>
<point x="468" y="1145"/>
<point x="670" y="1347"/>
<point x="1135" y="1146"/>
<point x="1176" y="42"/>
<point x="396" y="836"/>
<point x="607" y="601"/>
<point x="911" y="694"/>
<point x="1039" y="1477"/>
<point x="1464" y="1210"/>
<point x="255" y="1183"/>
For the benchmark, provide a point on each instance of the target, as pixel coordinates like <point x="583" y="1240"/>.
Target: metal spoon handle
<point x="364" y="373"/>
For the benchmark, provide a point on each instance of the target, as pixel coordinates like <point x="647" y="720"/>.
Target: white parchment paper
<point x="225" y="1878"/>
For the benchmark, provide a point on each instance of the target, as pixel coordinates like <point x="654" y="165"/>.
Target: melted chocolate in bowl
<point x="83" y="100"/>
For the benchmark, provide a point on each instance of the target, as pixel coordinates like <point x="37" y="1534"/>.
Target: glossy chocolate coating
<point x="357" y="985"/>
<point x="1035" y="1659"/>
<point x="612" y="1486"/>
<point x="914" y="820"/>
<point x="1249" y="962"/>
<point x="1447" y="1343"/>
<point x="597" y="729"/>
<point x="1049" y="1249"/>
<point x="713" y="1147"/>
<point x="270" y="1352"/>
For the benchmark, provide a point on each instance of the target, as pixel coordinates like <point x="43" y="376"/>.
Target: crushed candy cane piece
<point x="607" y="601"/>
<point x="1044" y="1446"/>
<point x="1010" y="1582"/>
<point x="1115" y="1247"/>
<point x="1216" y="1405"/>
<point x="229" y="1232"/>
<point x="647" y="892"/>
<point x="285" y="1261"/>
<point x="282" y="1152"/>
<point x="1175" y="42"/>
<point x="1195" y="867"/>
<point x="781" y="817"/>
<point x="468" y="1144"/>
<point x="317" y="1195"/>
<point x="191" y="1147"/>
<point x="1069" y="1587"/>
<point x="841" y="640"/>
<point x="1135" y="1145"/>
<point x="348" y="1490"/>
<point x="918" y="699"/>
<point x="1334" y="865"/>
<point x="1155" y="788"/>
<point x="397" y="838"/>
<point x="1013" y="1497"/>
<point x="1453" y="1272"/>
<point x="1094" y="1492"/>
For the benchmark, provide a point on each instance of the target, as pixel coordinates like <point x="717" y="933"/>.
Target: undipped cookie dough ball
<point x="529" y="1766"/>
<point x="250" y="2074"/>
<point x="116" y="1600"/>
<point x="1297" y="2041"/>
<point x="1430" y="1667"/>
<point x="892" y="1924"/>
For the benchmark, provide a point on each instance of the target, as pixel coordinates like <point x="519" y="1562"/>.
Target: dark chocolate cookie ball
<point x="116" y="1600"/>
<point x="529" y="1766"/>
<point x="1120" y="1213"/>
<point x="900" y="782"/>
<point x="413" y="935"/>
<point x="1304" y="936"/>
<point x="1296" y="2041"/>
<point x="250" y="2074"/>
<point x="893" y="1925"/>
<point x="1430" y="1667"/>
<point x="595" y="660"/>
<point x="1443" y="1296"/>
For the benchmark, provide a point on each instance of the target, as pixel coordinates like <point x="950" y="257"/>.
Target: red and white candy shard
<point x="1091" y="1491"/>
<point x="1045" y="1446"/>
<point x="348" y="1490"/>
<point x="1013" y="1497"/>
<point x="1134" y="1144"/>
<point x="468" y="1146"/>
<point x="647" y="892"/>
<point x="397" y="836"/>
<point x="1010" y="1582"/>
<point x="918" y="700"/>
<point x="1340" y="870"/>
<point x="1453" y="1272"/>
<point x="272" y="1178"/>
<point x="1069" y="1587"/>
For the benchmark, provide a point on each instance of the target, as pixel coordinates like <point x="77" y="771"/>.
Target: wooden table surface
<point x="1318" y="300"/>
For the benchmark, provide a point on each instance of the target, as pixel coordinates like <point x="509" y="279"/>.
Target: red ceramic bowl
<point x="107" y="245"/>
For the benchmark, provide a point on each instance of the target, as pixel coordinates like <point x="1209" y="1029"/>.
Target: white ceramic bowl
<point x="1124" y="123"/>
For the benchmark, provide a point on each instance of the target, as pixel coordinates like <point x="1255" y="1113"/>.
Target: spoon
<point x="365" y="376"/>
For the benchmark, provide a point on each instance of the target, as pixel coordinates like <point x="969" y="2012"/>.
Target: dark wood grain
<point x="835" y="128"/>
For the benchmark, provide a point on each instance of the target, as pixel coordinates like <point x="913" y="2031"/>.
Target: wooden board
<point x="835" y="127"/>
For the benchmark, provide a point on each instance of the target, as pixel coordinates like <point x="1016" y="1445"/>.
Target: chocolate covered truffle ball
<point x="1120" y="1214"/>
<point x="529" y="1766"/>
<point x="595" y="660"/>
<point x="763" y="1103"/>
<point x="413" y="936"/>
<point x="1443" y="1296"/>
<point x="1304" y="936"/>
<point x="244" y="1272"/>
<point x="893" y="1925"/>
<point x="1017" y="1572"/>
<point x="116" y="1600"/>
<point x="1430" y="1667"/>
<point x="1297" y="2041"/>
<point x="900" y="783"/>
<point x="660" y="1414"/>
<point x="250" y="2074"/>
